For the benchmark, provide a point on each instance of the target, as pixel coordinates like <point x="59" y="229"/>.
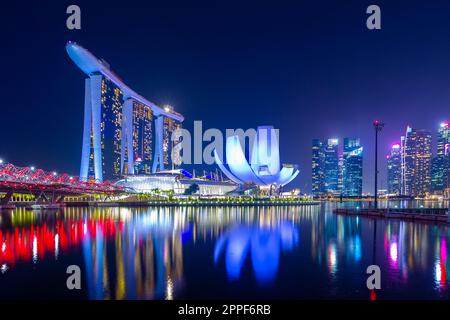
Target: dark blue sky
<point x="310" y="68"/>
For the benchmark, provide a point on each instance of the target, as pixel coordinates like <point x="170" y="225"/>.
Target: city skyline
<point x="202" y="80"/>
<point x="415" y="167"/>
<point x="256" y="153"/>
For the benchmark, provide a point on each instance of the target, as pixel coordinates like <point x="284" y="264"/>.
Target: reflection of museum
<point x="138" y="253"/>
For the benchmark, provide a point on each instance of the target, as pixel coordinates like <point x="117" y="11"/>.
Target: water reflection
<point x="264" y="243"/>
<point x="174" y="253"/>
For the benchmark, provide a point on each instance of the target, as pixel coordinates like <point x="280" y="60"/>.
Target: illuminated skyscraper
<point x="170" y="125"/>
<point x="394" y="172"/>
<point x="110" y="128"/>
<point x="352" y="168"/>
<point x="327" y="168"/>
<point x="407" y="166"/>
<point x="440" y="163"/>
<point x="416" y="162"/>
<point x="118" y="124"/>
<point x="142" y="137"/>
<point x="318" y="163"/>
<point x="341" y="173"/>
<point x="331" y="167"/>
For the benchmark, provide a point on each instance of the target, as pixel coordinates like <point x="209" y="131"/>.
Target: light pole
<point x="378" y="126"/>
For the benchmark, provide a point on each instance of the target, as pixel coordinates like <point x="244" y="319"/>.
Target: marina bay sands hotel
<point x="124" y="133"/>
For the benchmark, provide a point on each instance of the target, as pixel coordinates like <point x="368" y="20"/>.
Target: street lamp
<point x="378" y="126"/>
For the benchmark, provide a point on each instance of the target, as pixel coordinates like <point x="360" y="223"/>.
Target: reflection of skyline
<point x="129" y="253"/>
<point x="407" y="249"/>
<point x="143" y="253"/>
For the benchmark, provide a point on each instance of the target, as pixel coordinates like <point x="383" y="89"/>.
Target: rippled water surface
<point x="303" y="252"/>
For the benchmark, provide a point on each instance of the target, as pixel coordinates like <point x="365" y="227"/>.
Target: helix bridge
<point x="49" y="187"/>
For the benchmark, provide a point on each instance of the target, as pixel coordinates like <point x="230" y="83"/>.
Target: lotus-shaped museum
<point x="264" y="168"/>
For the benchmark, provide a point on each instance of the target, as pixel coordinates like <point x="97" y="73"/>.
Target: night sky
<point x="310" y="68"/>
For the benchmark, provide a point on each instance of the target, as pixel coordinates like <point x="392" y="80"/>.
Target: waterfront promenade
<point x="437" y="215"/>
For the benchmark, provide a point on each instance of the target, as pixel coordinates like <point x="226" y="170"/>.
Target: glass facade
<point x="394" y="170"/>
<point x="352" y="168"/>
<point x="111" y="128"/>
<point x="142" y="137"/>
<point x="169" y="126"/>
<point x="120" y="127"/>
<point x="334" y="173"/>
<point x="440" y="164"/>
<point x="331" y="166"/>
<point x="142" y="131"/>
<point x="318" y="160"/>
<point x="416" y="163"/>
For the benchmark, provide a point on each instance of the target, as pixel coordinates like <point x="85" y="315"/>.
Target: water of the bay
<point x="292" y="252"/>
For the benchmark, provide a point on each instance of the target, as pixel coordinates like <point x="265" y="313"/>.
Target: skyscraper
<point x="118" y="124"/>
<point x="416" y="162"/>
<point x="440" y="164"/>
<point x="352" y="168"/>
<point x="331" y="167"/>
<point x="340" y="174"/>
<point x="110" y="128"/>
<point x="170" y="125"/>
<point x="142" y="137"/>
<point x="318" y="162"/>
<point x="394" y="172"/>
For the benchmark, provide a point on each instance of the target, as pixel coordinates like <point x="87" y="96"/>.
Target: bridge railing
<point x="12" y="176"/>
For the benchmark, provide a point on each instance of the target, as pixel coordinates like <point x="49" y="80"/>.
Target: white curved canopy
<point x="264" y="168"/>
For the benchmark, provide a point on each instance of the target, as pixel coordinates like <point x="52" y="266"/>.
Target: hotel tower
<point x="124" y="134"/>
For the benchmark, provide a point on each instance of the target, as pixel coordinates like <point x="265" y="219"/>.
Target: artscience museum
<point x="264" y="168"/>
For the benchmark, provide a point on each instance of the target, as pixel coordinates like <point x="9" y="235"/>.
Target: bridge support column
<point x="92" y="123"/>
<point x="48" y="200"/>
<point x="96" y="96"/>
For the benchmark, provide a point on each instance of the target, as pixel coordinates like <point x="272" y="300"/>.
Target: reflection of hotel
<point x="120" y="126"/>
<point x="144" y="253"/>
<point x="144" y="269"/>
<point x="138" y="253"/>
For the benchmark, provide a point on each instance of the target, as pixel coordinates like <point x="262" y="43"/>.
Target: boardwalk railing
<point x="425" y="214"/>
